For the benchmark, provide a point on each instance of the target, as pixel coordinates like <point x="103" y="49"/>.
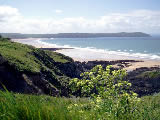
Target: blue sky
<point x="74" y="8"/>
<point x="70" y="15"/>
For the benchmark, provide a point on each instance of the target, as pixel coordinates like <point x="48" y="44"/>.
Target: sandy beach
<point x="34" y="42"/>
<point x="78" y="54"/>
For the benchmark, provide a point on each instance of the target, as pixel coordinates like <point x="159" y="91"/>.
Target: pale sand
<point x="34" y="42"/>
<point x="80" y="55"/>
<point x="143" y="64"/>
<point x="86" y="55"/>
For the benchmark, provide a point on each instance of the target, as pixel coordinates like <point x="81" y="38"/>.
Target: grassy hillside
<point x="23" y="64"/>
<point x="23" y="56"/>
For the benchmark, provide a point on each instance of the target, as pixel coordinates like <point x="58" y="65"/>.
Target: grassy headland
<point x="31" y="70"/>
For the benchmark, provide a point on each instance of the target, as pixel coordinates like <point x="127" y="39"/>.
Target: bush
<point x="110" y="96"/>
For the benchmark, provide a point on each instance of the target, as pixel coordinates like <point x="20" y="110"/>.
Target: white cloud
<point x="58" y="11"/>
<point x="7" y="12"/>
<point x="139" y="20"/>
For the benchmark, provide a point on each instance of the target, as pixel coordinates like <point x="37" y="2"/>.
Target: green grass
<point x="58" y="57"/>
<point x="22" y="57"/>
<point x="19" y="55"/>
<point x="149" y="108"/>
<point x="32" y="107"/>
<point x="150" y="74"/>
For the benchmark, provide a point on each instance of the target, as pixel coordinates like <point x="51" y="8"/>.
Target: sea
<point x="128" y="47"/>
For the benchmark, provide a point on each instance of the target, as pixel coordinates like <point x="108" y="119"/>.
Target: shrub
<point x="110" y="96"/>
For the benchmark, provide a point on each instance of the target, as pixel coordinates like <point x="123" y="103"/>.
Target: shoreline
<point x="133" y="65"/>
<point x="82" y="55"/>
<point x="55" y="49"/>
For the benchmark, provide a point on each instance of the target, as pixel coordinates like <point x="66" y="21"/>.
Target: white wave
<point x="102" y="52"/>
<point x="155" y="57"/>
<point x="51" y="44"/>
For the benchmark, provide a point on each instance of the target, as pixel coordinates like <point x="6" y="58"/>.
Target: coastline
<point x="32" y="41"/>
<point x="84" y="55"/>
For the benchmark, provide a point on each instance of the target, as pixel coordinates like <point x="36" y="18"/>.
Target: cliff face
<point x="25" y="83"/>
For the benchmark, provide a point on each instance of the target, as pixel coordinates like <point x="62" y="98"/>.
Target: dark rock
<point x="144" y="85"/>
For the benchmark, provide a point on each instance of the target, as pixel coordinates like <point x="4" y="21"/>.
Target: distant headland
<point x="75" y="35"/>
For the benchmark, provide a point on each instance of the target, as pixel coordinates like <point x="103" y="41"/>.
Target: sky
<point x="92" y="16"/>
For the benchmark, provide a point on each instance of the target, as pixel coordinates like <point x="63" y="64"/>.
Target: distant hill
<point x="74" y="35"/>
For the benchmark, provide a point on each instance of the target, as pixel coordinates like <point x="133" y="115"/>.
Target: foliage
<point x="150" y="74"/>
<point x="58" y="57"/>
<point x="19" y="56"/>
<point x="23" y="59"/>
<point x="110" y="95"/>
<point x="31" y="107"/>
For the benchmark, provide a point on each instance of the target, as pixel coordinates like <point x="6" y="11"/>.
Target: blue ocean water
<point x="144" y="47"/>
